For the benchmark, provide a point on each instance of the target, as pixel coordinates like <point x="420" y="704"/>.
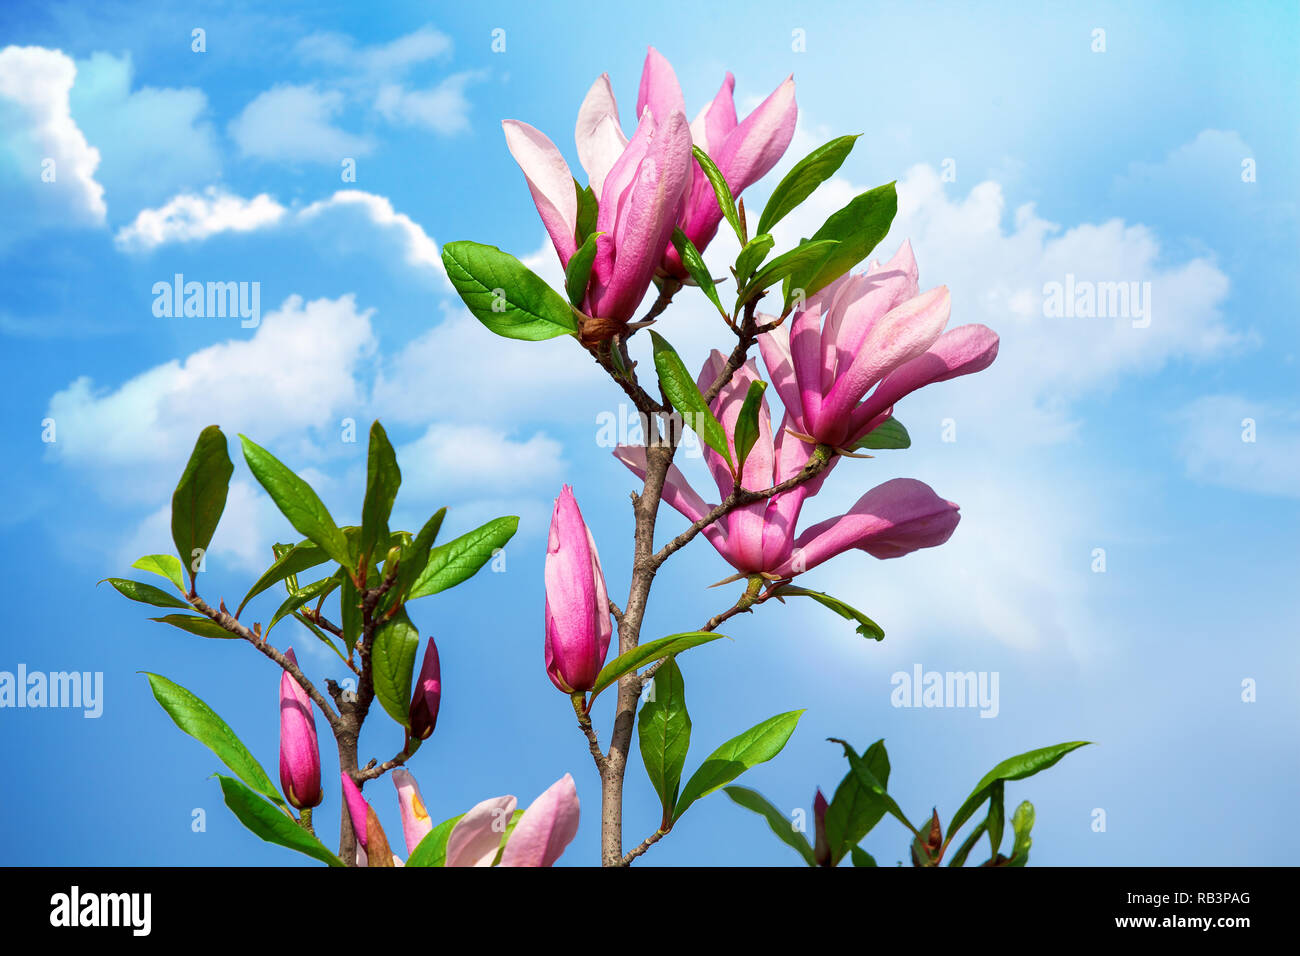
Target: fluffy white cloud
<point x="442" y="108"/>
<point x="454" y="459"/>
<point x="189" y="217"/>
<point x="36" y="117"/>
<point x="1230" y="441"/>
<point x="154" y="142"/>
<point x="296" y="124"/>
<point x="381" y="59"/>
<point x="297" y="372"/>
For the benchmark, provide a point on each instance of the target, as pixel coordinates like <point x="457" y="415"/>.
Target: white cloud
<point x="452" y="459"/>
<point x="154" y="142"/>
<point x="189" y="217"/>
<point x="297" y="372"/>
<point x="1253" y="446"/>
<point x="381" y="59"/>
<point x="37" y="120"/>
<point x="296" y="124"/>
<point x="442" y="108"/>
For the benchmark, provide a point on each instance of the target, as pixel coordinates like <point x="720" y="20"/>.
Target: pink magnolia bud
<point x="578" y="628"/>
<point x="821" y="846"/>
<point x="299" y="752"/>
<point x="427" y="695"/>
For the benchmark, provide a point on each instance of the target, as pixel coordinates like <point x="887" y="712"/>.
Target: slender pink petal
<point x="775" y="348"/>
<point x="599" y="134"/>
<point x="299" y="750"/>
<point x="548" y="826"/>
<point x="960" y="351"/>
<point x="645" y="214"/>
<point x="900" y="335"/>
<point x="416" y="823"/>
<point x="550" y="182"/>
<point x="890" y="520"/>
<point x="475" y="839"/>
<point x="716" y="121"/>
<point x="659" y="88"/>
<point x="870" y="296"/>
<point x="357" y="808"/>
<point x="759" y="142"/>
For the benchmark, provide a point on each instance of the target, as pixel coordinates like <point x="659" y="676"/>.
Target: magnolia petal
<point x="550" y="182"/>
<point x="476" y="837"/>
<point x="548" y="826"/>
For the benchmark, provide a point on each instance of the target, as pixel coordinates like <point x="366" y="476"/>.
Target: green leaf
<point x="752" y="255"/>
<point x="861" y="857"/>
<point x="202" y="626"/>
<point x="383" y="478"/>
<point x="858" y="227"/>
<point x="588" y="209"/>
<point x="747" y="423"/>
<point x="799" y="259"/>
<point x="303" y="595"/>
<point x="781" y="825"/>
<point x="432" y="849"/>
<point x="146" y="593"/>
<point x="685" y="396"/>
<point x="200" y="497"/>
<point x="664" y="731"/>
<point x="959" y="858"/>
<point x="416" y="555"/>
<point x="888" y="434"/>
<point x="301" y="557"/>
<point x="800" y="182"/>
<point x="201" y="722"/>
<point x="694" y="264"/>
<point x="578" y="272"/>
<point x="393" y="660"/>
<point x="505" y="295"/>
<point x="757" y="745"/>
<point x="866" y="626"/>
<point x="650" y="651"/>
<point x="872" y="784"/>
<point x="996" y="820"/>
<point x="854" y="810"/>
<point x="721" y="191"/>
<point x="296" y="501"/>
<point x="461" y="558"/>
<point x="271" y="824"/>
<point x="164" y="565"/>
<point x="1013" y="768"/>
<point x="1022" y="821"/>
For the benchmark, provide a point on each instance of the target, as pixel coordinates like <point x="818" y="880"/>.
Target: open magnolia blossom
<point x="538" y="839"/>
<point x="872" y="329"/>
<point x="890" y="520"/>
<point x="648" y="185"/>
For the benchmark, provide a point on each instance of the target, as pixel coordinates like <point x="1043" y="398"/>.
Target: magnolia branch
<point x="229" y="623"/>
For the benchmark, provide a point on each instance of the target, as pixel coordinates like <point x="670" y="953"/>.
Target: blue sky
<point x="1122" y="165"/>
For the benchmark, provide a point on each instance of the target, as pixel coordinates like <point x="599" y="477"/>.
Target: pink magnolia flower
<point x="890" y="520"/>
<point x="423" y="713"/>
<point x="874" y="329"/>
<point x="640" y="186"/>
<point x="578" y="628"/>
<point x="299" y="751"/>
<point x="360" y="812"/>
<point x="415" y="818"/>
<point x="744" y="151"/>
<point x="548" y="826"/>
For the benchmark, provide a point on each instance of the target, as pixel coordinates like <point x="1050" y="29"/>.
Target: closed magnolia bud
<point x="427" y="695"/>
<point x="578" y="628"/>
<point x="299" y="752"/>
<point x="821" y="846"/>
